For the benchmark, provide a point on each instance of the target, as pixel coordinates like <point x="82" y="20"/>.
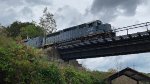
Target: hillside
<point x="20" y="64"/>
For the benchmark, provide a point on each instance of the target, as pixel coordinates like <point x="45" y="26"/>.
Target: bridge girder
<point x="121" y="45"/>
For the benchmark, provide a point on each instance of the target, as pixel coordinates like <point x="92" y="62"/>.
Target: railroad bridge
<point x="138" y="42"/>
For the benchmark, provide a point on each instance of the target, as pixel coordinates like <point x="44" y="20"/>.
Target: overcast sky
<point x="67" y="13"/>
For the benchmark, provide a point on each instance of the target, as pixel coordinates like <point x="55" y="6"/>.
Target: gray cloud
<point x="67" y="15"/>
<point x="109" y="9"/>
<point x="22" y="10"/>
<point x="7" y="16"/>
<point x="27" y="11"/>
<point x="39" y="2"/>
<point x="15" y="3"/>
<point x="11" y="14"/>
<point x="12" y="2"/>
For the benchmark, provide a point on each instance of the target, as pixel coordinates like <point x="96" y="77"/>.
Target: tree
<point x="31" y="31"/>
<point x="48" y="22"/>
<point x="24" y="29"/>
<point x="3" y="30"/>
<point x="15" y="28"/>
<point x="1" y="26"/>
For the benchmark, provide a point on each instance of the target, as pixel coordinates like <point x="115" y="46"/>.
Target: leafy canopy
<point x="24" y="29"/>
<point x="31" y="31"/>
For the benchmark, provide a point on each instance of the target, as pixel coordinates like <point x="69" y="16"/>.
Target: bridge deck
<point x="101" y="47"/>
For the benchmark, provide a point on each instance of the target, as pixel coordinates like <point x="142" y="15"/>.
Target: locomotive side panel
<point x="35" y="42"/>
<point x="106" y="27"/>
<point x="91" y="28"/>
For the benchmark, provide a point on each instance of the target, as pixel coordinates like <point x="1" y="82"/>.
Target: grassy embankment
<point x="20" y="64"/>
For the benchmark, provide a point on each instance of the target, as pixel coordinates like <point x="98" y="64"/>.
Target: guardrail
<point x="136" y="26"/>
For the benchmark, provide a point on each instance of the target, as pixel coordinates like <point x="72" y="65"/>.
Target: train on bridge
<point x="80" y="32"/>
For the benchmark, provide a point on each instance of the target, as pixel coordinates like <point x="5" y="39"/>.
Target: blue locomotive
<point x="73" y="33"/>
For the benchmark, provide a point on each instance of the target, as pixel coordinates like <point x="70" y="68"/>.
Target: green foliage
<point x="20" y="64"/>
<point x="31" y="31"/>
<point x="14" y="28"/>
<point x="24" y="29"/>
<point x="24" y="66"/>
<point x="148" y="74"/>
<point x="73" y="76"/>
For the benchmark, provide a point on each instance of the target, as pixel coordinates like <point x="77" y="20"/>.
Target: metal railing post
<point x="146" y="26"/>
<point x="127" y="31"/>
<point x="115" y="30"/>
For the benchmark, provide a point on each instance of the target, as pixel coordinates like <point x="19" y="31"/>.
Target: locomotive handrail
<point x="133" y="27"/>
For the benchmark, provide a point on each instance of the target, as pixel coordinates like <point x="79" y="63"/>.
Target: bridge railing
<point x="125" y="30"/>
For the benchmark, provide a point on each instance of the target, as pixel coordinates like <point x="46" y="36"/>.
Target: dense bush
<point x="25" y="65"/>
